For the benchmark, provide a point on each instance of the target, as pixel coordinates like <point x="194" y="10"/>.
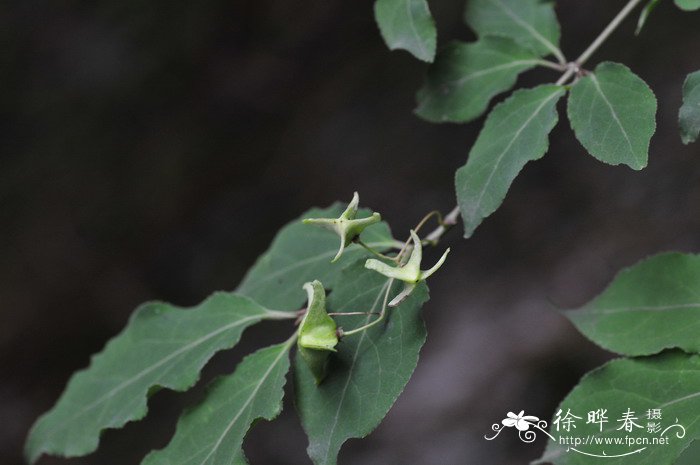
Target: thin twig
<point x="570" y="71"/>
<point x="447" y="223"/>
<point x="425" y="219"/>
<point x="607" y="31"/>
<point x="574" y="67"/>
<point x="552" y="65"/>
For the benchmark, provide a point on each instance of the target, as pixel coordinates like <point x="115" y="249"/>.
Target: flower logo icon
<point x="520" y="421"/>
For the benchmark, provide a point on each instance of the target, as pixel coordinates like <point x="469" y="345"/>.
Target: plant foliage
<point x="357" y="349"/>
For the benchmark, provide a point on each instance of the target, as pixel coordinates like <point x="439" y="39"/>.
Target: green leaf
<point x="688" y="5"/>
<point x="531" y="23"/>
<point x="301" y="253"/>
<point x="515" y="132"/>
<point x="690" y="455"/>
<point x="407" y="25"/>
<point x="613" y="113"/>
<point x="370" y="369"/>
<point x="212" y="432"/>
<point x="163" y="346"/>
<point x="670" y="382"/>
<point x="465" y="77"/>
<point x="644" y="15"/>
<point x="652" y="306"/>
<point x="689" y="115"/>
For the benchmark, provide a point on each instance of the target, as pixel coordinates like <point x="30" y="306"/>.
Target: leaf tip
<point x="469" y="226"/>
<point x="640" y="165"/>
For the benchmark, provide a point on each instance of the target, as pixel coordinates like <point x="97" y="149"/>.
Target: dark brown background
<point x="152" y="149"/>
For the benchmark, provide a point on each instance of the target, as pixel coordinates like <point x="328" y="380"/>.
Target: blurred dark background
<point x="152" y="149"/>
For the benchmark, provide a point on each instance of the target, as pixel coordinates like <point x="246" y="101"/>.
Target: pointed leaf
<point x="466" y="76"/>
<point x="644" y="15"/>
<point x="407" y="25"/>
<point x="515" y="132"/>
<point x="670" y="382"/>
<point x="613" y="113"/>
<point x="301" y="253"/>
<point x="212" y="432"/>
<point x="689" y="115"/>
<point x="368" y="372"/>
<point x="531" y="23"/>
<point x="688" y="5"/>
<point x="162" y="346"/>
<point x="652" y="306"/>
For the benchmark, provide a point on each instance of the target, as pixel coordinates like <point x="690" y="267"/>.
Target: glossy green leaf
<point x="301" y="253"/>
<point x="163" y="346"/>
<point x="466" y="76"/>
<point x="212" y="432"/>
<point x="613" y="113"/>
<point x="407" y="25"/>
<point x="689" y="115"/>
<point x="370" y="369"/>
<point x="515" y="132"/>
<point x="531" y="23"/>
<point x="670" y="382"/>
<point x="651" y="306"/>
<point x="688" y="5"/>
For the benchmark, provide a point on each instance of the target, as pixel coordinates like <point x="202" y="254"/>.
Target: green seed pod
<point x="346" y="226"/>
<point x="410" y="273"/>
<point x="317" y="332"/>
